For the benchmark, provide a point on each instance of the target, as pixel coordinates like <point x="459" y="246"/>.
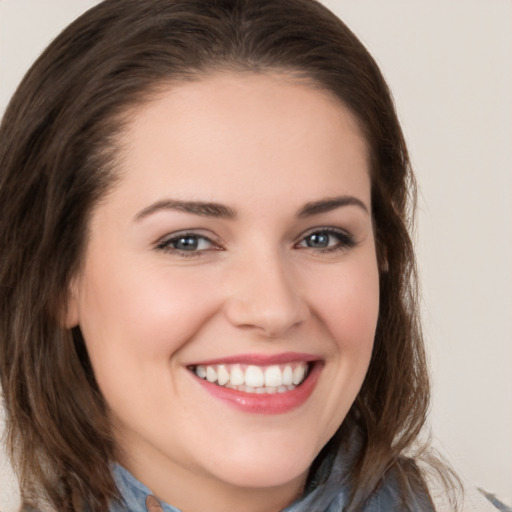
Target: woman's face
<point x="236" y="254"/>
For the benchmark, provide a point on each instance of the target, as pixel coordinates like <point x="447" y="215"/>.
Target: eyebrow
<point x="207" y="209"/>
<point x="329" y="204"/>
<point x="204" y="209"/>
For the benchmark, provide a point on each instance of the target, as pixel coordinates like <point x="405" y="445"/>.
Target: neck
<point x="191" y="491"/>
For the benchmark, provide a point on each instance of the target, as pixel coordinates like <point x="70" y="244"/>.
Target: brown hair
<point x="58" y="158"/>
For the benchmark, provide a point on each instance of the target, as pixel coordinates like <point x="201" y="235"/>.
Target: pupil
<point x="318" y="240"/>
<point x="187" y="243"/>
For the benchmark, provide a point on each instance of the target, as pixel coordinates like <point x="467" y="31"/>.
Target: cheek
<point x="130" y="319"/>
<point x="349" y="307"/>
<point x="134" y="325"/>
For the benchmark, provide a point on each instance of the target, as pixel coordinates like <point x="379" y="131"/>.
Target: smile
<point x="260" y="384"/>
<point x="276" y="378"/>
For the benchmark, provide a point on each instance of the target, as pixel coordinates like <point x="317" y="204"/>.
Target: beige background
<point x="449" y="64"/>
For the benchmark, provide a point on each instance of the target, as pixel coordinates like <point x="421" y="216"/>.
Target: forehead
<point x="240" y="129"/>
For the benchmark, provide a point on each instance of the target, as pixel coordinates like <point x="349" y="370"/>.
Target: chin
<point x="265" y="477"/>
<point x="265" y="469"/>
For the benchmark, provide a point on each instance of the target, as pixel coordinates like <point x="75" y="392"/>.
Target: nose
<point x="263" y="295"/>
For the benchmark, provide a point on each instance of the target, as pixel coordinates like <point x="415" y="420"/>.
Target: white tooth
<point x="298" y="374"/>
<point x="260" y="390"/>
<point x="282" y="389"/>
<point x="273" y="376"/>
<point x="250" y="389"/>
<point x="201" y="372"/>
<point x="237" y="377"/>
<point x="290" y="387"/>
<point x="211" y="374"/>
<point x="271" y="389"/>
<point x="287" y="375"/>
<point x="222" y="375"/>
<point x="254" y="376"/>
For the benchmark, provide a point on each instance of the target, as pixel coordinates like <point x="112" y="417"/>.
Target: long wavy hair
<point x="58" y="149"/>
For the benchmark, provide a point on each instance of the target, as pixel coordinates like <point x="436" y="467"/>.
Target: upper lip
<point x="259" y="359"/>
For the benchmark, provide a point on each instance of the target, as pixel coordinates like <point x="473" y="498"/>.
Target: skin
<point x="263" y="145"/>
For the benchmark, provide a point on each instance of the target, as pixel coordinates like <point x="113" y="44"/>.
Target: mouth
<point x="276" y="378"/>
<point x="264" y="385"/>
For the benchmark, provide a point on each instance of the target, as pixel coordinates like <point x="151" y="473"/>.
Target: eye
<point x="183" y="243"/>
<point x="327" y="239"/>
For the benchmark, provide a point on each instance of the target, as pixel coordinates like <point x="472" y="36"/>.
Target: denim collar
<point x="136" y="497"/>
<point x="326" y="497"/>
<point x="328" y="492"/>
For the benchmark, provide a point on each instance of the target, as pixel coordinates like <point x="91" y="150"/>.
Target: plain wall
<point x="449" y="65"/>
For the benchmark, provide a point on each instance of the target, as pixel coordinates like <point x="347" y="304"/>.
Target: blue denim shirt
<point x="138" y="498"/>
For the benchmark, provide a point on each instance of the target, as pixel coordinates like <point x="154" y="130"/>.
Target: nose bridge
<point x="263" y="293"/>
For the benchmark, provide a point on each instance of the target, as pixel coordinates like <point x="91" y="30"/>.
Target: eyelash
<point x="345" y="241"/>
<point x="166" y="245"/>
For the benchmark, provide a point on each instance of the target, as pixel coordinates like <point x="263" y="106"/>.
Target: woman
<point x="210" y="202"/>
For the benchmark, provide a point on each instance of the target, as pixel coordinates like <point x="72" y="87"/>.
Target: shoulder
<point x="400" y="496"/>
<point x="496" y="502"/>
<point x="478" y="499"/>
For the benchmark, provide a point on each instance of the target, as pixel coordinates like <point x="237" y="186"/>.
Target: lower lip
<point x="269" y="403"/>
